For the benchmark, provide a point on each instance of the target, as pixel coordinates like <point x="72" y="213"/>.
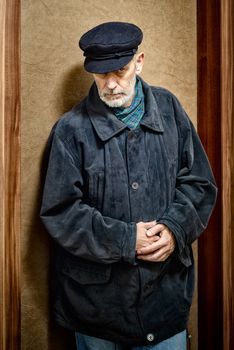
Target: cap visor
<point x="106" y="66"/>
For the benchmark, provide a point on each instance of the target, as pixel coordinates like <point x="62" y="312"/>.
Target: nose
<point x="111" y="82"/>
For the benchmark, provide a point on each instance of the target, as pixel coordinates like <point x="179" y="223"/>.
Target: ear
<point x="139" y="62"/>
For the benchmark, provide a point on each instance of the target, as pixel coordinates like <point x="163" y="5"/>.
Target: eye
<point x="121" y="70"/>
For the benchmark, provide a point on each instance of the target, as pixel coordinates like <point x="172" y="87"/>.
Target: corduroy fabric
<point x="102" y="179"/>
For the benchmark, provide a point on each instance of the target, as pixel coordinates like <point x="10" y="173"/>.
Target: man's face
<point x="117" y="88"/>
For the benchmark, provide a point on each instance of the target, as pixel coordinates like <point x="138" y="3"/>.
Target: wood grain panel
<point x="210" y="325"/>
<point x="9" y="175"/>
<point x="227" y="92"/>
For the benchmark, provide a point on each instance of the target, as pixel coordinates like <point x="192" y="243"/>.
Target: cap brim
<point x="107" y="65"/>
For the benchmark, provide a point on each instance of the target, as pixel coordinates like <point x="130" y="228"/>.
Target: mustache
<point x="113" y="93"/>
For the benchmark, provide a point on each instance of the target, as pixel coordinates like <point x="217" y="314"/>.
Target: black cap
<point x="110" y="46"/>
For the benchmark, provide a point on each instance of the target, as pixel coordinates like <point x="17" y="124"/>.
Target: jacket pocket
<point x="88" y="273"/>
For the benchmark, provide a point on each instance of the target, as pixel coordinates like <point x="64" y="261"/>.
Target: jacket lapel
<point x="107" y="125"/>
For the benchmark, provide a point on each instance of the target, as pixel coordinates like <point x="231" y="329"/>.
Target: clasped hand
<point x="154" y="242"/>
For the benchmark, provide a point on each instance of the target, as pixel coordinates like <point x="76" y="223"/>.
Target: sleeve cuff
<point x="182" y="250"/>
<point x="129" y="244"/>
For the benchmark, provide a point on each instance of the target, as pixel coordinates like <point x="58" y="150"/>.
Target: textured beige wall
<point x="52" y="81"/>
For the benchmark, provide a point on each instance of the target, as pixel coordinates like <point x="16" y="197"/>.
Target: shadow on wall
<point x="73" y="88"/>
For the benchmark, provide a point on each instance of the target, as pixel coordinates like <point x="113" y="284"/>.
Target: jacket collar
<point x="105" y="122"/>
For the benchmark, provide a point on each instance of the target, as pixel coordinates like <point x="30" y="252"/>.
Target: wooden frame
<point x="215" y="126"/>
<point x="227" y="113"/>
<point x="210" y="323"/>
<point x="10" y="175"/>
<point x="215" y="99"/>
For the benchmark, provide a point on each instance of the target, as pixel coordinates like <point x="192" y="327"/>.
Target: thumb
<point x="149" y="224"/>
<point x="155" y="230"/>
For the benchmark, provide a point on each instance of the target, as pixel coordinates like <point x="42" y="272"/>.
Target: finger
<point x="149" y="224"/>
<point x="159" y="255"/>
<point x="149" y="240"/>
<point x="160" y="246"/>
<point x="153" y="257"/>
<point x="167" y="238"/>
<point x="155" y="230"/>
<point x="151" y="247"/>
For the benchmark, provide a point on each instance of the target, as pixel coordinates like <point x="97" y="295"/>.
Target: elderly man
<point x="128" y="189"/>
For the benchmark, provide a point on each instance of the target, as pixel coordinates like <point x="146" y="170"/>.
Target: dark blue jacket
<point x="101" y="180"/>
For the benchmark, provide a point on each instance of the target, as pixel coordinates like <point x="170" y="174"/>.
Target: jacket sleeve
<point x="76" y="226"/>
<point x="195" y="192"/>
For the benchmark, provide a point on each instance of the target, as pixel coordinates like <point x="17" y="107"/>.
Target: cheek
<point x="100" y="85"/>
<point x="130" y="81"/>
<point x="126" y="84"/>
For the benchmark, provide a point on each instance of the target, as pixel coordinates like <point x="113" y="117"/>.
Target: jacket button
<point x="150" y="337"/>
<point x="135" y="185"/>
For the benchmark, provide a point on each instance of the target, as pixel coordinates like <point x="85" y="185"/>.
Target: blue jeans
<point x="85" y="342"/>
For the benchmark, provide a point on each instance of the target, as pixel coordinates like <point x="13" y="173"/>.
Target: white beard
<point x="120" y="101"/>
